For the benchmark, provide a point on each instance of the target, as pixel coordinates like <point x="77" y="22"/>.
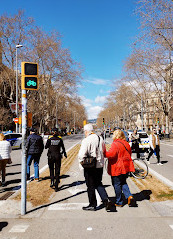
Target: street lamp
<point x="74" y="121"/>
<point x="17" y="46"/>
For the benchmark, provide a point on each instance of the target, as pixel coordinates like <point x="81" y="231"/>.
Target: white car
<point x="15" y="140"/>
<point x="144" y="141"/>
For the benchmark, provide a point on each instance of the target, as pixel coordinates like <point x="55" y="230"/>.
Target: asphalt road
<point x="64" y="218"/>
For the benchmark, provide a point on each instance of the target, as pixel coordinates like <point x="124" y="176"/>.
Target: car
<point x="15" y="140"/>
<point x="144" y="141"/>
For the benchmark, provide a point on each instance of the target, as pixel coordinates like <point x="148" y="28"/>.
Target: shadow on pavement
<point x="47" y="205"/>
<point x="143" y="195"/>
<point x="164" y="162"/>
<point x="66" y="186"/>
<point x="2" y="225"/>
<point x="8" y="174"/>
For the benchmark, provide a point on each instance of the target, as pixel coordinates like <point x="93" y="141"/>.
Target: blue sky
<point x="97" y="32"/>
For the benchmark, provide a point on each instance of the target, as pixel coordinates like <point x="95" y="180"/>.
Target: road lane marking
<point x="76" y="190"/>
<point x="19" y="228"/>
<point x="170" y="155"/>
<point x="171" y="226"/>
<point x="67" y="206"/>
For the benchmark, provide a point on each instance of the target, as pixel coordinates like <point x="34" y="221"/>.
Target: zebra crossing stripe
<point x="19" y="228"/>
<point x="171" y="226"/>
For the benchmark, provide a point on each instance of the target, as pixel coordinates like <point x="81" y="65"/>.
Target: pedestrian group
<point x="92" y="151"/>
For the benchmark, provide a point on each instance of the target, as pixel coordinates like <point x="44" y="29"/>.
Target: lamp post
<point x="74" y="121"/>
<point x="17" y="46"/>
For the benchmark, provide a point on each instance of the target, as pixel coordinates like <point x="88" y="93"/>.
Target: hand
<point x="65" y="155"/>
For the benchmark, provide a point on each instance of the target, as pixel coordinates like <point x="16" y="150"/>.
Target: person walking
<point x="34" y="149"/>
<point x="134" y="139"/>
<point x="94" y="146"/>
<point x="154" y="143"/>
<point x="56" y="148"/>
<point x="5" y="150"/>
<point x="119" y="165"/>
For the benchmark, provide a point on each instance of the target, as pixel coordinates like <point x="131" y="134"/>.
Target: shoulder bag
<point x="90" y="161"/>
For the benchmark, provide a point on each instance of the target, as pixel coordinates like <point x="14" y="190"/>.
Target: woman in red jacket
<point x="119" y="165"/>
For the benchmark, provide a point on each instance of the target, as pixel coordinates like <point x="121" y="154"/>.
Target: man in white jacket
<point x="154" y="146"/>
<point x="94" y="146"/>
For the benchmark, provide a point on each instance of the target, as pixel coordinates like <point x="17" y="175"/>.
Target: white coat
<point x="90" y="145"/>
<point x="5" y="149"/>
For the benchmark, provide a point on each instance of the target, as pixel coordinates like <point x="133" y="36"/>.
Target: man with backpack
<point x="34" y="149"/>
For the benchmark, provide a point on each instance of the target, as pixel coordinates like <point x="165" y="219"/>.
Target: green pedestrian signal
<point x="103" y="120"/>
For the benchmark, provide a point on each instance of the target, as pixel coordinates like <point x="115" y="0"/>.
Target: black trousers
<point x="157" y="150"/>
<point x="54" y="168"/>
<point x="93" y="178"/>
<point x="135" y="148"/>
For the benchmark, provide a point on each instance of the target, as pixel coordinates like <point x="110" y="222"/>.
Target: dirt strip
<point x="39" y="193"/>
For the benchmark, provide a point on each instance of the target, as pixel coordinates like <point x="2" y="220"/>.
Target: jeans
<point x="36" y="158"/>
<point x="93" y="178"/>
<point x="120" y="185"/>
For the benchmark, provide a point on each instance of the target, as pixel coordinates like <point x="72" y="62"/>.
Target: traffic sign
<point x="16" y="120"/>
<point x="13" y="107"/>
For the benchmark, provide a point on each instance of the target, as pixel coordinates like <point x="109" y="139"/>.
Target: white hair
<point x="88" y="127"/>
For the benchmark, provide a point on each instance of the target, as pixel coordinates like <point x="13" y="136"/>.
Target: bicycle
<point x="141" y="168"/>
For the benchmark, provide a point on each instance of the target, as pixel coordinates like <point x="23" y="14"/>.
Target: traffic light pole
<point x="24" y="156"/>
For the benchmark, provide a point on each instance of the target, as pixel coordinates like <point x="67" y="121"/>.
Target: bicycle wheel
<point x="141" y="169"/>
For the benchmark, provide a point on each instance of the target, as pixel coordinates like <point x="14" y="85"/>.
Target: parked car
<point x="15" y="140"/>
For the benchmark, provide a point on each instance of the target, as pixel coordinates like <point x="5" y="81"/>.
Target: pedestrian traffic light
<point x="103" y="120"/>
<point x="29" y="75"/>
<point x="158" y="120"/>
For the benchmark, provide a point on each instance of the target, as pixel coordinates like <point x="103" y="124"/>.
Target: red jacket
<point x="119" y="159"/>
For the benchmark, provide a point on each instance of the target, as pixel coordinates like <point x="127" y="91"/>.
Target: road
<point x="63" y="217"/>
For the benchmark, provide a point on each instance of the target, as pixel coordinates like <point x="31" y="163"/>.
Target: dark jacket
<point x="34" y="144"/>
<point x="55" y="147"/>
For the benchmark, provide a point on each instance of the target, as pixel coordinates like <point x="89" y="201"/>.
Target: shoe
<point x="52" y="184"/>
<point x="56" y="189"/>
<point x="89" y="208"/>
<point x="131" y="201"/>
<point x="118" y="205"/>
<point x="36" y="179"/>
<point x="159" y="163"/>
<point x="3" y="184"/>
<point x="108" y="205"/>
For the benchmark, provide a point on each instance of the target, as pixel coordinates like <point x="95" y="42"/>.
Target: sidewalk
<point x="64" y="218"/>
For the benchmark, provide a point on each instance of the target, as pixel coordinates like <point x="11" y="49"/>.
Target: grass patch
<point x="39" y="193"/>
<point x="160" y="191"/>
